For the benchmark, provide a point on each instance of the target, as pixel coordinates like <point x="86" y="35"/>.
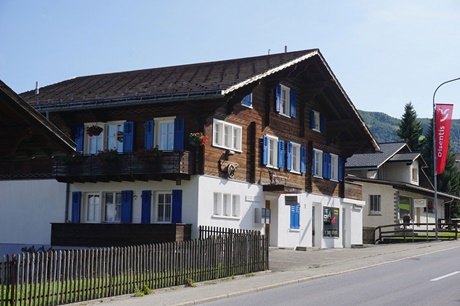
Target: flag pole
<point x="434" y="159"/>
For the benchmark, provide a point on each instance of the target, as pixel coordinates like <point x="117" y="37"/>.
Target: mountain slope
<point x="384" y="128"/>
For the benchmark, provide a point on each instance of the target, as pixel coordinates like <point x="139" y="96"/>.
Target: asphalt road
<point x="432" y="279"/>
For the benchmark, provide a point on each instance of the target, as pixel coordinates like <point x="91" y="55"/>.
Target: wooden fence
<point x="61" y="277"/>
<point x="415" y="232"/>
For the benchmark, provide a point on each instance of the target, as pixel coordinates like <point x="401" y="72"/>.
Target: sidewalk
<point x="286" y="267"/>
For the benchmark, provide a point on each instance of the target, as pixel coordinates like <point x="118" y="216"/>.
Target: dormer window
<point x="285" y="101"/>
<point x="414" y="175"/>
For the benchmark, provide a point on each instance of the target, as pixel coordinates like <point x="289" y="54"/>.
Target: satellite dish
<point x="231" y="170"/>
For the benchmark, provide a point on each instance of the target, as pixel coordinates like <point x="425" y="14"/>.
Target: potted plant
<point x="74" y="158"/>
<point x="148" y="154"/>
<point x="197" y="139"/>
<point x="94" y="130"/>
<point x="107" y="155"/>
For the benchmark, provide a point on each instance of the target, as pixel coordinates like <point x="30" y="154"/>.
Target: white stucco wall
<point x="251" y="197"/>
<point x="350" y="222"/>
<point x="27" y="209"/>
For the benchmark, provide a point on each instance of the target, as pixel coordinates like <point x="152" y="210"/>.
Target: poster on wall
<point x="330" y="222"/>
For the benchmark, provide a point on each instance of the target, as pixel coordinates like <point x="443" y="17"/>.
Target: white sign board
<point x="419" y="202"/>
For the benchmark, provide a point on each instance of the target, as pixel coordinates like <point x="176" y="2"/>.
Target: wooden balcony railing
<point x="126" y="167"/>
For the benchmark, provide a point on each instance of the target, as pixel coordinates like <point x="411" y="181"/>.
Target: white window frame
<point x="157" y="139"/>
<point x="92" y="211"/>
<point x="414" y="174"/>
<point x="227" y="135"/>
<point x="166" y="216"/>
<point x="375" y="200"/>
<point x="116" y="196"/>
<point x="93" y="144"/>
<point x="285" y="101"/>
<point x="295" y="158"/>
<point x="272" y="152"/>
<point x="334" y="167"/>
<point x="226" y="205"/>
<point x="318" y="163"/>
<point x="317" y="118"/>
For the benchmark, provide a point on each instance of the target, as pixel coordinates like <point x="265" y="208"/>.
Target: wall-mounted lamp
<point x="135" y="197"/>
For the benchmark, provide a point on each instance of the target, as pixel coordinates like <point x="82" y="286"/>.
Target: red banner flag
<point x="443" y="121"/>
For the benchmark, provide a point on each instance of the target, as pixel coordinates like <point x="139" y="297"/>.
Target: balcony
<point x="126" y="167"/>
<point x="107" y="234"/>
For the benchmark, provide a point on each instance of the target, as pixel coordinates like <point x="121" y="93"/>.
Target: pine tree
<point x="410" y="128"/>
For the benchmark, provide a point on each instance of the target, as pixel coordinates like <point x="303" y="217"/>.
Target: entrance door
<point x="313" y="227"/>
<point x="267" y="226"/>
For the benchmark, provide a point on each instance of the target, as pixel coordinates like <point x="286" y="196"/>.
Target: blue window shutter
<point x="313" y="157"/>
<point x="247" y="100"/>
<point x="265" y="151"/>
<point x="295" y="216"/>
<point x="179" y="134"/>
<point x="321" y="122"/>
<point x="126" y="206"/>
<point x="278" y="98"/>
<point x="176" y="216"/>
<point x="79" y="137"/>
<point x="128" y="137"/>
<point x="146" y="206"/>
<point x="289" y="156"/>
<point x="340" y="169"/>
<point x="293" y="103"/>
<point x="148" y="134"/>
<point x="76" y="206"/>
<point x="328" y="165"/>
<point x="280" y="154"/>
<point x="303" y="159"/>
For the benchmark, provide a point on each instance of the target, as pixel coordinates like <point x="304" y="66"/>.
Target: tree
<point x="410" y="128"/>
<point x="449" y="180"/>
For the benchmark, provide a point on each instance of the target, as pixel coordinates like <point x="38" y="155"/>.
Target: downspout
<point x="67" y="192"/>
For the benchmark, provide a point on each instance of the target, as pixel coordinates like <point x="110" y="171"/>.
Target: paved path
<point x="286" y="267"/>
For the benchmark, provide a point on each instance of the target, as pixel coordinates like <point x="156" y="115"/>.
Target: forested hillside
<point x="384" y="128"/>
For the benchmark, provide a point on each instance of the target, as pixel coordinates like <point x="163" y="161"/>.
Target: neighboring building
<point x="278" y="130"/>
<point x="28" y="203"/>
<point x="392" y="182"/>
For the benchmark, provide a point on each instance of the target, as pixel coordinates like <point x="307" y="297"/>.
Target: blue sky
<point x="384" y="53"/>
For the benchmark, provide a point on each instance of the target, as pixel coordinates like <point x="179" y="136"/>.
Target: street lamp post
<point x="434" y="159"/>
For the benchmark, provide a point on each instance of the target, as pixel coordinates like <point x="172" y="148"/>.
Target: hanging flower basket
<point x="94" y="130"/>
<point x="197" y="139"/>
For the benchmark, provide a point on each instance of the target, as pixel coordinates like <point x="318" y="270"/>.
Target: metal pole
<point x="434" y="160"/>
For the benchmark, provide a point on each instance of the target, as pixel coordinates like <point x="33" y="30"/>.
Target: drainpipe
<point x="67" y="192"/>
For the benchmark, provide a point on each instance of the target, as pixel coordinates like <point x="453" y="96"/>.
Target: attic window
<point x="247" y="101"/>
<point x="285" y="103"/>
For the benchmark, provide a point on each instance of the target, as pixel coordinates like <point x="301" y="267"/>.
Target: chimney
<point x="37" y="89"/>
<point x="285" y="49"/>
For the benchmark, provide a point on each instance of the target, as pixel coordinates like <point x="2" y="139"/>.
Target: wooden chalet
<point x="254" y="143"/>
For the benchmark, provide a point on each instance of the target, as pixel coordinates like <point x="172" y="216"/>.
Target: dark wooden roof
<point x="212" y="80"/>
<point x="25" y="133"/>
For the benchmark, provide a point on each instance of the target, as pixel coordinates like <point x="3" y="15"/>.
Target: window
<point x="374" y="204"/>
<point x="317" y="163"/>
<point x="226" y="205"/>
<point x="227" y="135"/>
<point x="164" y="133"/>
<point x="285" y="101"/>
<point x="270" y="151"/>
<point x="164" y="207"/>
<point x="316" y="121"/>
<point x="112" y="207"/>
<point x="93" y="208"/>
<point x="334" y="167"/>
<point x="415" y="174"/>
<point x="247" y="101"/>
<point x="293" y="157"/>
<point x="111" y="137"/>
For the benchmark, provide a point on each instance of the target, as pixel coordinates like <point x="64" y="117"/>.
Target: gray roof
<point x="375" y="160"/>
